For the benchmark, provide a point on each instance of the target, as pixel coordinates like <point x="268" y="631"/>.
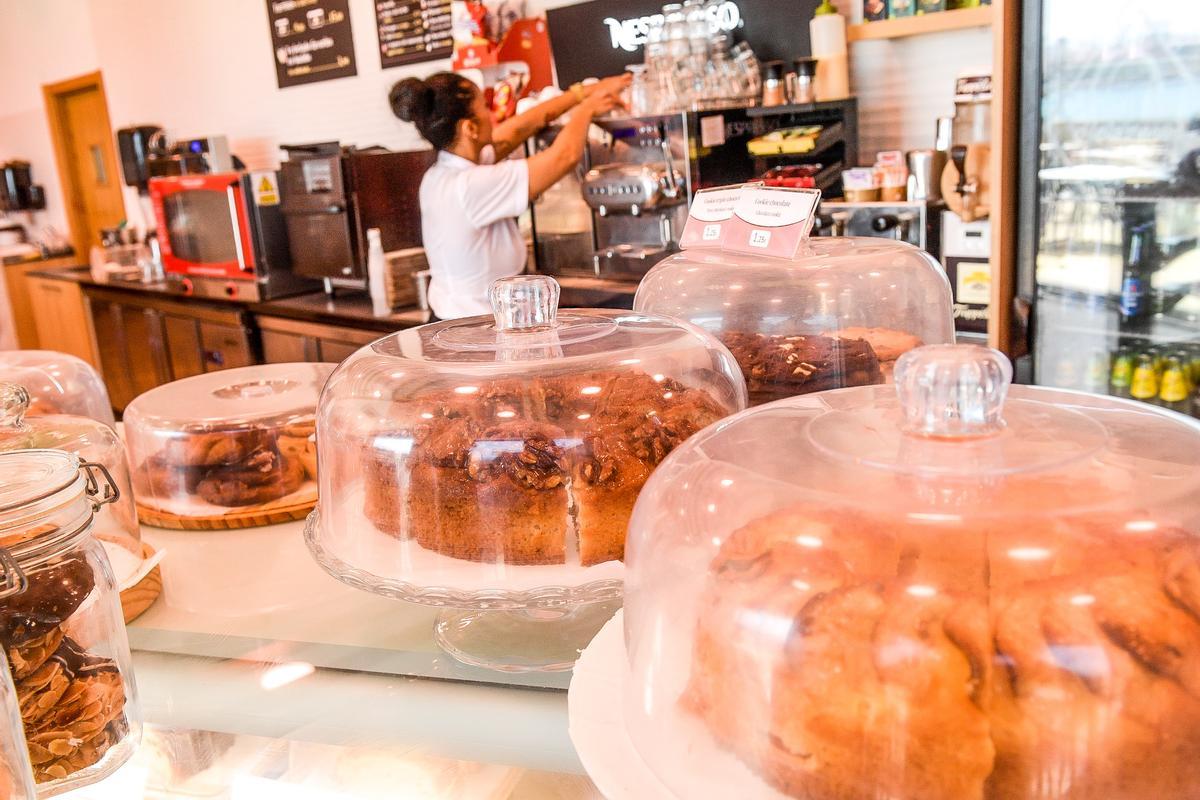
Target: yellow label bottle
<point x="1174" y="388"/>
<point x="1145" y="379"/>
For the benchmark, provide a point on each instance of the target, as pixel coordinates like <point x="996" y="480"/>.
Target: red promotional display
<point x="527" y="42"/>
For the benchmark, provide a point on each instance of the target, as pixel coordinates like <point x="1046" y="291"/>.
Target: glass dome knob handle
<point x="14" y="402"/>
<point x="953" y="390"/>
<point x="525" y="302"/>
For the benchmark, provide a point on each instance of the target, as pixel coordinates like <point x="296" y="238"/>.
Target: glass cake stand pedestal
<point x="511" y="624"/>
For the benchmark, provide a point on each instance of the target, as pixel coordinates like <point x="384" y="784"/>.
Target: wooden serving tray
<point x="139" y="597"/>
<point x="287" y="509"/>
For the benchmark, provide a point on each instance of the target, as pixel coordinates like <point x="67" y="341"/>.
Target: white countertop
<point x="312" y="681"/>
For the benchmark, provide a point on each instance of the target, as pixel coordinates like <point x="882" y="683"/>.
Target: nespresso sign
<point x="630" y="34"/>
<point x="601" y="37"/>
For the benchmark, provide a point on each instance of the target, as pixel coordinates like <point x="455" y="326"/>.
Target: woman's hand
<point x="606" y="95"/>
<point x="617" y="83"/>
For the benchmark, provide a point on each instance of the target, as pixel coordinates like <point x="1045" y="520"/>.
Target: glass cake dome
<point x="948" y="588"/>
<point x="116" y="523"/>
<point x="494" y="463"/>
<point x="838" y="314"/>
<point x="57" y="384"/>
<point x="238" y="444"/>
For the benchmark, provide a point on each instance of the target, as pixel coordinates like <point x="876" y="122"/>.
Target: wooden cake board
<point x="285" y="510"/>
<point x="139" y="597"/>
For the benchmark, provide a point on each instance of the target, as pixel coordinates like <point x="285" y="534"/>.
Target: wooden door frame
<point x="54" y="94"/>
<point x="1004" y="330"/>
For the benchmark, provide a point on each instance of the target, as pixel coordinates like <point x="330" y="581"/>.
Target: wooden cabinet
<point x="145" y="341"/>
<point x="60" y="317"/>
<point x="16" y="280"/>
<point x="286" y="340"/>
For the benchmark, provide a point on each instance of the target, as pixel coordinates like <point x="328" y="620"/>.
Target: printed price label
<point x="711" y="208"/>
<point x="771" y="220"/>
<point x="760" y="238"/>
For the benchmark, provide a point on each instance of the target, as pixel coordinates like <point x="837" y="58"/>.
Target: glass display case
<point x="57" y="384"/>
<point x="493" y="463"/>
<point x="227" y="449"/>
<point x="116" y="523"/>
<point x="946" y="588"/>
<point x="1110" y="199"/>
<point x="64" y="635"/>
<point x="839" y="314"/>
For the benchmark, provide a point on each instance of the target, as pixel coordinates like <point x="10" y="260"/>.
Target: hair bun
<point x="411" y="99"/>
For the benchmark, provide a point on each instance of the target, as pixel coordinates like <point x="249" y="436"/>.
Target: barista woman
<point x="471" y="196"/>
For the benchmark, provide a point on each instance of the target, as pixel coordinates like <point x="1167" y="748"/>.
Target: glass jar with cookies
<point x="116" y="524"/>
<point x="493" y="462"/>
<point x="947" y="588"/>
<point x="840" y="313"/>
<point x="63" y="635"/>
<point x="227" y="449"/>
<point x="57" y="383"/>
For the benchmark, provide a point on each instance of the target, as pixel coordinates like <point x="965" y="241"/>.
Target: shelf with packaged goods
<point x="958" y="19"/>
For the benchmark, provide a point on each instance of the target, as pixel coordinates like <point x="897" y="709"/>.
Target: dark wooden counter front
<point x="350" y="309"/>
<point x="141" y="335"/>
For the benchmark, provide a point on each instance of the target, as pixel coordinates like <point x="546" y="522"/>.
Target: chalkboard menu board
<point x="413" y="30"/>
<point x="312" y="40"/>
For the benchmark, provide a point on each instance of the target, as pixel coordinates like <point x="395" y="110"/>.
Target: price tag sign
<point x="771" y="221"/>
<point x="711" y="209"/>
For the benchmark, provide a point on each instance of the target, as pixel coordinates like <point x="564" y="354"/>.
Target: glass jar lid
<point x="27" y="477"/>
<point x="47" y="500"/>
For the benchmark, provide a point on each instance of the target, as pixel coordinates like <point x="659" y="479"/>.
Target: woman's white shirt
<point x="468" y="221"/>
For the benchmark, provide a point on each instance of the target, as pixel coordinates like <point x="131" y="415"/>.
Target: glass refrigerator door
<point x="1117" y="267"/>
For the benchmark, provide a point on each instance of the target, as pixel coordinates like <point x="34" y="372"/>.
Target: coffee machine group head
<point x="637" y="192"/>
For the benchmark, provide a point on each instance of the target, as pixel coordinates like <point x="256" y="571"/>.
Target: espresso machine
<point x="624" y="209"/>
<point x="636" y="188"/>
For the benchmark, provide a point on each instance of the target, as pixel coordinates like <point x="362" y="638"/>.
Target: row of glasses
<point x="690" y="62"/>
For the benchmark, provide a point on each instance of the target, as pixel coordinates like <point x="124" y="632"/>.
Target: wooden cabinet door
<point x="225" y="346"/>
<point x="183" y="349"/>
<point x="336" y="351"/>
<point x="282" y="348"/>
<point x="143" y="348"/>
<point x="61" y="317"/>
<point x="110" y="346"/>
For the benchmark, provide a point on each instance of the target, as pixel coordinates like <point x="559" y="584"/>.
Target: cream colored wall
<point x="40" y="42"/>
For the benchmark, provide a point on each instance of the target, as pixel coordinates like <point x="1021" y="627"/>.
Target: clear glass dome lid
<point x="527" y="326"/>
<point x="57" y="383"/>
<point x="827" y="594"/>
<point x="459" y="456"/>
<point x="116" y="524"/>
<point x="840" y="313"/>
<point x="234" y="442"/>
<point x="269" y="393"/>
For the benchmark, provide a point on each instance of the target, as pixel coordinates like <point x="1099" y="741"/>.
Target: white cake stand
<point x="506" y="618"/>
<point x="596" y="707"/>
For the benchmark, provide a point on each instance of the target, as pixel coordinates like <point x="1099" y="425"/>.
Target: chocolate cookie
<point x="216" y="448"/>
<point x="29" y="621"/>
<point x="265" y="476"/>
